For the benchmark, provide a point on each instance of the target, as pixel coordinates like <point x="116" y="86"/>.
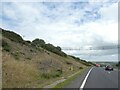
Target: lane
<point x="83" y="84"/>
<point x="99" y="78"/>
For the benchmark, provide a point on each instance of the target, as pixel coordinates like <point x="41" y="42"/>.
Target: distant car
<point x="97" y="65"/>
<point x="109" y="68"/>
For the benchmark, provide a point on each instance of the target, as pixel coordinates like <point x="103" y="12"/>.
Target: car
<point x="109" y="68"/>
<point x="97" y="65"/>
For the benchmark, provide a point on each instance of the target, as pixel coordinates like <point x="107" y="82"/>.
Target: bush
<point x="5" y="46"/>
<point x="28" y="58"/>
<point x="76" y="58"/>
<point x="52" y="74"/>
<point x="41" y="43"/>
<point x="56" y="50"/>
<point x="69" y="63"/>
<point x="82" y="61"/>
<point x="27" y="43"/>
<point x="86" y="63"/>
<point x="80" y="67"/>
<point x="16" y="56"/>
<point x="12" y="36"/>
<point x="38" y="42"/>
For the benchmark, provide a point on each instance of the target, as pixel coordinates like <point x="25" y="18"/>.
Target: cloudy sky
<point x="87" y="29"/>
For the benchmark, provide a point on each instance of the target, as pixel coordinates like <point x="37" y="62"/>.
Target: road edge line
<point x="84" y="81"/>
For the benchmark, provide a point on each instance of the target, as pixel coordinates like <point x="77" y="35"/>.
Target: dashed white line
<point x="83" y="83"/>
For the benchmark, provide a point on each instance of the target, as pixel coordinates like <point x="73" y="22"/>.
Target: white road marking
<point x="83" y="83"/>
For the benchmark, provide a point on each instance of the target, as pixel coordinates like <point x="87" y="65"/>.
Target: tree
<point x="58" y="48"/>
<point x="38" y="42"/>
<point x="12" y="36"/>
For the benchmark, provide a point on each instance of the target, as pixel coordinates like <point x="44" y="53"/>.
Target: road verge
<point x="69" y="79"/>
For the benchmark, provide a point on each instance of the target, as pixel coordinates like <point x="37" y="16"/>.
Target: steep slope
<point x="24" y="65"/>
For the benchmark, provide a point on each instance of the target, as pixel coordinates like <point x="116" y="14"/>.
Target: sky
<point x="84" y="28"/>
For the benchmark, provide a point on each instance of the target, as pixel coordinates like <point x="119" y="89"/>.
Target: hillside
<point x="35" y="64"/>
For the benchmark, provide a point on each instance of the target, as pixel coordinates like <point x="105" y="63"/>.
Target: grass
<point x="52" y="74"/>
<point x="69" y="80"/>
<point x="23" y="66"/>
<point x="16" y="55"/>
<point x="18" y="74"/>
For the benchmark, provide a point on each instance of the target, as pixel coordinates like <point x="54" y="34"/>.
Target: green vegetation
<point x="69" y="80"/>
<point x="38" y="42"/>
<point x="5" y="46"/>
<point x="12" y="36"/>
<point x="86" y="63"/>
<point x="82" y="61"/>
<point x="15" y="55"/>
<point x="80" y="67"/>
<point x="76" y="58"/>
<point x="41" y="43"/>
<point x="28" y="58"/>
<point x="36" y="64"/>
<point x="52" y="74"/>
<point x="27" y="43"/>
<point x="56" y="50"/>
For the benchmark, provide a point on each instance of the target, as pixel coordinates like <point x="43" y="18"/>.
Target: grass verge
<point x="69" y="80"/>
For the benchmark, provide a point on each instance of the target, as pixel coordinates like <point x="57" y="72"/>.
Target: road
<point x="97" y="78"/>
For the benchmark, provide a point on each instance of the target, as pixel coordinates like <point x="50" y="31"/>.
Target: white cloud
<point x="109" y="13"/>
<point x="65" y="25"/>
<point x="44" y="1"/>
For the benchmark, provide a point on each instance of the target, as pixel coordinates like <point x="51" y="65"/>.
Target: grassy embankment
<point x="25" y="65"/>
<point x="69" y="80"/>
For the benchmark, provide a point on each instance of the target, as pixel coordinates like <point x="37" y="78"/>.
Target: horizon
<point x="67" y="24"/>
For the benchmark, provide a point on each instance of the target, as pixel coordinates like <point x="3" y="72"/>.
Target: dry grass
<point x="27" y="69"/>
<point x="18" y="73"/>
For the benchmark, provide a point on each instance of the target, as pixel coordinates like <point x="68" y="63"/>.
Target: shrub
<point x="54" y="49"/>
<point x="5" y="46"/>
<point x="16" y="56"/>
<point x="52" y="74"/>
<point x="80" y="67"/>
<point x="31" y="50"/>
<point x="12" y="36"/>
<point x="46" y="75"/>
<point x="69" y="63"/>
<point x="28" y="58"/>
<point x="41" y="43"/>
<point x="86" y="63"/>
<point x="76" y="58"/>
<point x="58" y="48"/>
<point x="27" y="43"/>
<point x="38" y="42"/>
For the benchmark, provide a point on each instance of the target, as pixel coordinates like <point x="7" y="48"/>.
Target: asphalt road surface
<point x="96" y="77"/>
